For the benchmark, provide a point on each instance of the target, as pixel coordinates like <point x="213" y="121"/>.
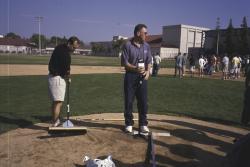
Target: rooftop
<point x="15" y="42"/>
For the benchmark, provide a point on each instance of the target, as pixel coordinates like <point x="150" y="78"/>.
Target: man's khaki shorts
<point x="57" y="88"/>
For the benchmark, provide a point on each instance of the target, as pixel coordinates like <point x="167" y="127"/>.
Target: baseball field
<point x="201" y="115"/>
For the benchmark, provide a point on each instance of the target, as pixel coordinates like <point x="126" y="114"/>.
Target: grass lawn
<point x="24" y="100"/>
<point x="76" y="60"/>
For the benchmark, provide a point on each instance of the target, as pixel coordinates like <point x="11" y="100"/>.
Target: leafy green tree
<point x="64" y="40"/>
<point x="244" y="42"/>
<point x="117" y="46"/>
<point x="35" y="38"/>
<point x="55" y="40"/>
<point x="230" y="47"/>
<point x="12" y="35"/>
<point x="97" y="48"/>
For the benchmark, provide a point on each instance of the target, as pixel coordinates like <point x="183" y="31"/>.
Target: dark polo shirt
<point x="131" y="54"/>
<point x="60" y="61"/>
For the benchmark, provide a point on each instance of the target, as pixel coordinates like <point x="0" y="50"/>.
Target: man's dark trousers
<point x="133" y="88"/>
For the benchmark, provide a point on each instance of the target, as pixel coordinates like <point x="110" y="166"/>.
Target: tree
<point x="35" y="38"/>
<point x="230" y="47"/>
<point x="12" y="35"/>
<point x="55" y="40"/>
<point x="117" y="46"/>
<point x="64" y="40"/>
<point x="244" y="42"/>
<point x="97" y="48"/>
<point x="82" y="44"/>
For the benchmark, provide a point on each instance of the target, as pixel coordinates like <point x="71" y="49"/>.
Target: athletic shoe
<point x="144" y="129"/>
<point x="129" y="129"/>
<point x="57" y="123"/>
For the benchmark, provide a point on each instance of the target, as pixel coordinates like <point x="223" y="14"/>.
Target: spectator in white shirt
<point x="202" y="63"/>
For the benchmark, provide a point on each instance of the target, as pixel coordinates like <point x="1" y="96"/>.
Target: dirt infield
<point x="21" y="70"/>
<point x="192" y="143"/>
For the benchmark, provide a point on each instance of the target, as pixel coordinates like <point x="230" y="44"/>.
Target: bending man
<point x="59" y="71"/>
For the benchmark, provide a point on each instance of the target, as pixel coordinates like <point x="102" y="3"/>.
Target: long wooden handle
<point x="105" y="119"/>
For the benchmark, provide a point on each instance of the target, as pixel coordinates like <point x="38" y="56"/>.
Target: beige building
<point x="157" y="47"/>
<point x="184" y="37"/>
<point x="174" y="39"/>
<point x="9" y="45"/>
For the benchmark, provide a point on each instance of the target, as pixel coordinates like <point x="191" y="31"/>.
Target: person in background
<point x="218" y="63"/>
<point x="246" y="64"/>
<point x="192" y="64"/>
<point x="202" y="63"/>
<point x="239" y="65"/>
<point x="225" y="65"/>
<point x="179" y="64"/>
<point x="235" y="66"/>
<point x="175" y="65"/>
<point x="151" y="72"/>
<point x="156" y="64"/>
<point x="184" y="62"/>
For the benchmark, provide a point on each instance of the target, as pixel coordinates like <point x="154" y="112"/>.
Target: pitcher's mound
<point x="192" y="143"/>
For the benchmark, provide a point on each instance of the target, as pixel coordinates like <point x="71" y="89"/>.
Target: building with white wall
<point x="9" y="45"/>
<point x="184" y="37"/>
<point x="118" y="37"/>
<point x="174" y="39"/>
<point x="157" y="47"/>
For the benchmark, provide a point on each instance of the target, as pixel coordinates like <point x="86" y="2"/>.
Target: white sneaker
<point x="57" y="123"/>
<point x="144" y="129"/>
<point x="129" y="129"/>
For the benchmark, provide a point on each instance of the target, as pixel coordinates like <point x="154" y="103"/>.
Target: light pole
<point x="39" y="19"/>
<point x="218" y="35"/>
<point x="8" y="19"/>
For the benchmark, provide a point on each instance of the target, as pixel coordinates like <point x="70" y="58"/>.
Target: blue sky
<point x="99" y="20"/>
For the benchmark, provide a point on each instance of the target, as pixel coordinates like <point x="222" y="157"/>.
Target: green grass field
<point x="76" y="60"/>
<point x="24" y="99"/>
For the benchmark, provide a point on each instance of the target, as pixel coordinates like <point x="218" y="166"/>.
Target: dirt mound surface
<point x="192" y="143"/>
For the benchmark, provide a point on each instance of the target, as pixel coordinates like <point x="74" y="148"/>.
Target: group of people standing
<point x="180" y="64"/>
<point x="231" y="68"/>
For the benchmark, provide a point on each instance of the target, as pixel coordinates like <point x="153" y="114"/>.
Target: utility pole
<point x="8" y="19"/>
<point x="218" y="35"/>
<point x="39" y="19"/>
